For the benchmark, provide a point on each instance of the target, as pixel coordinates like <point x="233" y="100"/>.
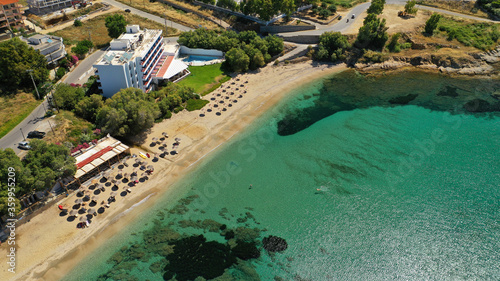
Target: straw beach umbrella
<point x="95" y="198"/>
<point x="92" y="211"/>
<point x="113" y="194"/>
<point x="83" y="218"/>
<point x="79" y="201"/>
<point x="73" y="213"/>
<point x="164" y="134"/>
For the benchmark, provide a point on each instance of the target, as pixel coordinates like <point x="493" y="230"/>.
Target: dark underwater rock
<point x="274" y="243"/>
<point x="193" y="256"/>
<point x="246" y="250"/>
<point x="403" y="99"/>
<point x="448" y="92"/>
<point x="480" y="105"/>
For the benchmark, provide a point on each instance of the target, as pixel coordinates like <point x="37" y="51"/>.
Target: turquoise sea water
<point x="406" y="193"/>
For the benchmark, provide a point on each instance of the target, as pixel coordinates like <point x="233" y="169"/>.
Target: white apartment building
<point x="52" y="47"/>
<point x="133" y="60"/>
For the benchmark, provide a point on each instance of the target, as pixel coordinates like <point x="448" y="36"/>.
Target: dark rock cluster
<point x="274" y="244"/>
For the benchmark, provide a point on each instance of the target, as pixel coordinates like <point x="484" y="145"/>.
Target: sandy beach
<point x="49" y="246"/>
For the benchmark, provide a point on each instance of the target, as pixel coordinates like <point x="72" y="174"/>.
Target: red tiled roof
<point x="94" y="156"/>
<point x="6" y="2"/>
<point x="165" y="66"/>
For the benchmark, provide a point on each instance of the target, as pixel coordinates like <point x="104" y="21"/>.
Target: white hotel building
<point x="137" y="59"/>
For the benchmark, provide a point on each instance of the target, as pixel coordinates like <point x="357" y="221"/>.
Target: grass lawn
<point x="14" y="109"/>
<point x="480" y="35"/>
<point x="99" y="32"/>
<point x="194" y="104"/>
<point x="205" y="79"/>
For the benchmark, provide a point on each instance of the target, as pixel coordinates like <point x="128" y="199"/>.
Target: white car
<point x="24" y="145"/>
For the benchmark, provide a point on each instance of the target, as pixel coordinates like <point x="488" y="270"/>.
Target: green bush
<point x="77" y="23"/>
<point x="394" y="45"/>
<point x="60" y="72"/>
<point x="432" y="23"/>
<point x="178" y="109"/>
<point x="483" y="36"/>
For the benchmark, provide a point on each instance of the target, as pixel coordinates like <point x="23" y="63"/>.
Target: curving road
<point x="342" y="25"/>
<point x="79" y="75"/>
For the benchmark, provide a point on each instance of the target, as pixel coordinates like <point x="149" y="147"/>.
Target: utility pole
<point x="22" y="133"/>
<point x="36" y="89"/>
<point x="90" y="37"/>
<point x="51" y="127"/>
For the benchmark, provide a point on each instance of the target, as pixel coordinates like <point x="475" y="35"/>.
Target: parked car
<point x="127" y="10"/>
<point x="340" y="17"/>
<point x="36" y="135"/>
<point x="24" y="145"/>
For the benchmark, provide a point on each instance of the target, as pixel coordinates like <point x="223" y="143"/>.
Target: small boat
<point x="142" y="155"/>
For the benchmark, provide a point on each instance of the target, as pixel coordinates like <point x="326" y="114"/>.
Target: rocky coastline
<point x="486" y="63"/>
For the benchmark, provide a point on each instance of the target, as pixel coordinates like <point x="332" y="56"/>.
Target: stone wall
<point x="301" y="39"/>
<point x="285" y="28"/>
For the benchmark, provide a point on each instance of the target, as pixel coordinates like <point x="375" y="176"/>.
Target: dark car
<point x="127" y="10"/>
<point x="36" y="135"/>
<point x="340" y="17"/>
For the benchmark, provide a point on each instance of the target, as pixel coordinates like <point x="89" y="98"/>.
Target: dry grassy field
<point x="162" y="10"/>
<point x="99" y="32"/>
<point x="13" y="109"/>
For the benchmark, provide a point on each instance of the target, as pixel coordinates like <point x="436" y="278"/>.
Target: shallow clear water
<point x="406" y="193"/>
<point x="193" y="58"/>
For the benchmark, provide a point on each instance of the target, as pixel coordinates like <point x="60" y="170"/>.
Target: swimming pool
<point x="193" y="58"/>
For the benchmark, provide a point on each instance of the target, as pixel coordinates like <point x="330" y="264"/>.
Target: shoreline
<point x="48" y="249"/>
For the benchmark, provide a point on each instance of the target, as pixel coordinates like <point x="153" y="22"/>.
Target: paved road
<point x="149" y="16"/>
<point x="342" y="25"/>
<point x="81" y="73"/>
<point x="33" y="122"/>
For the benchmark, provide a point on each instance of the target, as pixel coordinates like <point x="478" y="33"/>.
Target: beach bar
<point x="96" y="159"/>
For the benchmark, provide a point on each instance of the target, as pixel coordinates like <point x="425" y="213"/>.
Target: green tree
<point x="334" y="43"/>
<point x="324" y="13"/>
<point x="88" y="107"/>
<point x="60" y="72"/>
<point x="128" y="112"/>
<point x="66" y="97"/>
<point x="394" y="45"/>
<point x="116" y="25"/>
<point x="112" y="121"/>
<point x="15" y="60"/>
<point x="432" y="23"/>
<point x="372" y="34"/>
<point x="410" y="7"/>
<point x="237" y="60"/>
<point x="287" y="7"/>
<point x="48" y="162"/>
<point x="274" y="44"/>
<point x="10" y="163"/>
<point x="247" y="36"/>
<point x="82" y="48"/>
<point x="376" y="7"/>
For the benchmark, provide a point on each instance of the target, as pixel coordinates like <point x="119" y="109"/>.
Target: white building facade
<point x="52" y="47"/>
<point x="130" y="61"/>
